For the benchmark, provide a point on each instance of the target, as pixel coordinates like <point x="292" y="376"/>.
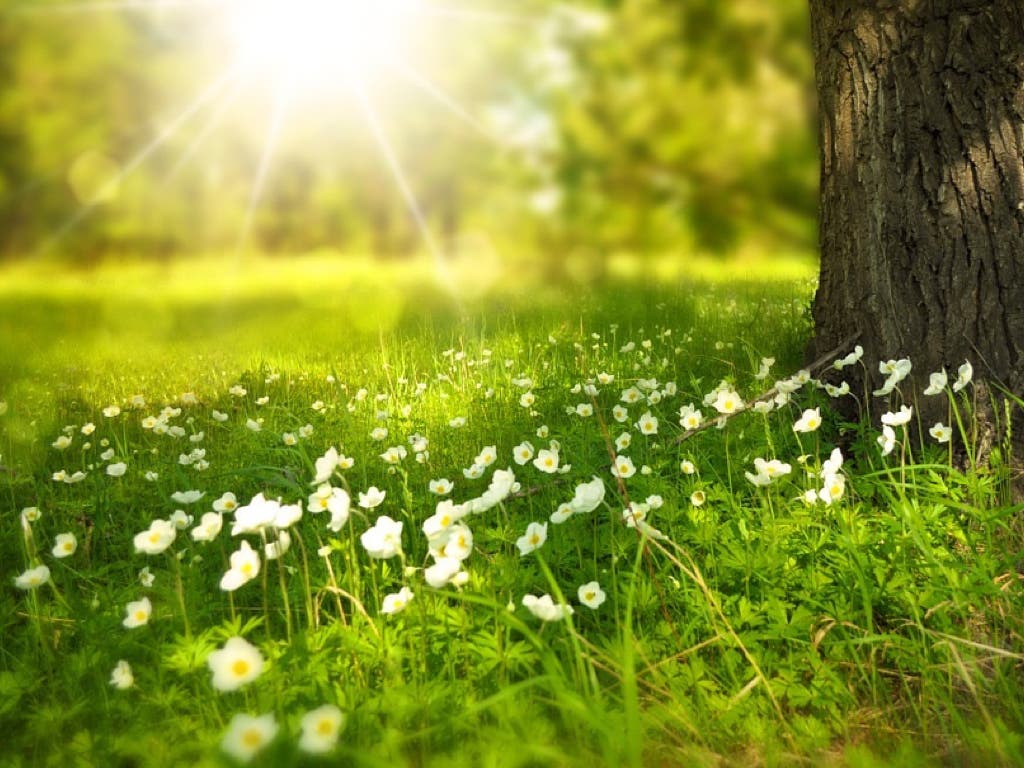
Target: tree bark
<point x="921" y="127"/>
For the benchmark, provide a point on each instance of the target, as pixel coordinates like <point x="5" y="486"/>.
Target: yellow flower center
<point x="140" y="616"/>
<point x="246" y="568"/>
<point x="240" y="667"/>
<point x="252" y="738"/>
<point x="325" y="727"/>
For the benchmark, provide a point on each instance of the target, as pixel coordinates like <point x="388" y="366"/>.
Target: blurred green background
<point x="556" y="138"/>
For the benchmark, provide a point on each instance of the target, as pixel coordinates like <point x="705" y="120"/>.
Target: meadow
<point x="313" y="511"/>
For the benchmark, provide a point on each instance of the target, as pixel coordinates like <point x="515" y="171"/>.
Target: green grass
<point x="884" y="628"/>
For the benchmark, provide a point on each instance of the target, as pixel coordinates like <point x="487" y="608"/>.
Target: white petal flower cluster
<point x="545" y="609"/>
<point x="767" y="472"/>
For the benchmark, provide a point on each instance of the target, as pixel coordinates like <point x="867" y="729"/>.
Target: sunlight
<point x="316" y="44"/>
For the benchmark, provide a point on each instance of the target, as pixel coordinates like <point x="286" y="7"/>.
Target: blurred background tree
<point x="573" y="133"/>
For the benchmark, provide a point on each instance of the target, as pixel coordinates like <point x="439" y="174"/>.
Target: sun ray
<point x="398" y="175"/>
<point x="277" y="116"/>
<point x="436" y="93"/>
<point x="200" y="138"/>
<point x="205" y="96"/>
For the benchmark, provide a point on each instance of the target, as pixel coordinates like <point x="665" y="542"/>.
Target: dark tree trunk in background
<point x="921" y="107"/>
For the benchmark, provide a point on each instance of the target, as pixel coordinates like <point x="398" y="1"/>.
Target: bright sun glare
<point x="316" y="44"/>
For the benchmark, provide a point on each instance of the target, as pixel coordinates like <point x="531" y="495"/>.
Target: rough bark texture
<point x="921" y="109"/>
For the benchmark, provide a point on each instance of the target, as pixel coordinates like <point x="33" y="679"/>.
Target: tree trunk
<point x="921" y="106"/>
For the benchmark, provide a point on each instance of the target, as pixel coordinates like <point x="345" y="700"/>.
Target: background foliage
<point x="636" y="126"/>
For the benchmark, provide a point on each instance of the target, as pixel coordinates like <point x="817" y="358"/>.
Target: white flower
<point x="833" y="463"/>
<point x="727" y="401"/>
<point x="561" y="514"/>
<point x="248" y="735"/>
<point x="523" y="452"/>
<point x="442" y="571"/>
<point x="62" y="442"/>
<point x="897" y="419"/>
<point x="445" y="515"/>
<point x="30" y="515"/>
<point x="338" y="504"/>
<point x="245" y="566"/>
<point x="441" y="487"/>
<point x="591" y="595"/>
<point x="254" y="425"/>
<point x="218" y="416"/>
<point x="767" y="471"/>
<point x="379" y="433"/>
<point x="545" y="609"/>
<point x="527" y="399"/>
<point x="895" y="368"/>
<point x="396" y="602"/>
<point x="887" y="440"/>
<point x="138" y="613"/>
<point x="322" y="726"/>
<point x="226" y="503"/>
<point x="458" y="422"/>
<point x="834" y="391"/>
<point x="936" y="383"/>
<point x="620" y="414"/>
<point x="764" y="368"/>
<point x="259" y="514"/>
<point x="272" y="550"/>
<point x="373" y="497"/>
<point x="187" y="497"/>
<point x="180" y="519"/>
<point x="647" y="424"/>
<point x="384" y="539"/>
<point x="964" y="375"/>
<point x="809" y="421"/>
<point x="325" y="466"/>
<point x="111" y="411"/>
<point x="33" y="577"/>
<point x="159" y="536"/>
<point x="473" y="472"/>
<point x="122" y="677"/>
<point x="146" y="577"/>
<point x="623" y="467"/>
<point x="117" y="470"/>
<point x="209" y="527"/>
<point x="588" y="496"/>
<point x="455" y="542"/>
<point x="697" y="498"/>
<point x="631" y="395"/>
<point x="487" y="456"/>
<point x="546" y="461"/>
<point x="687" y="467"/>
<point x="832" y="489"/>
<point x="238" y="663"/>
<point x="941" y="432"/>
<point x="850" y="359"/>
<point x="64" y="545"/>
<point x="534" y="538"/>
